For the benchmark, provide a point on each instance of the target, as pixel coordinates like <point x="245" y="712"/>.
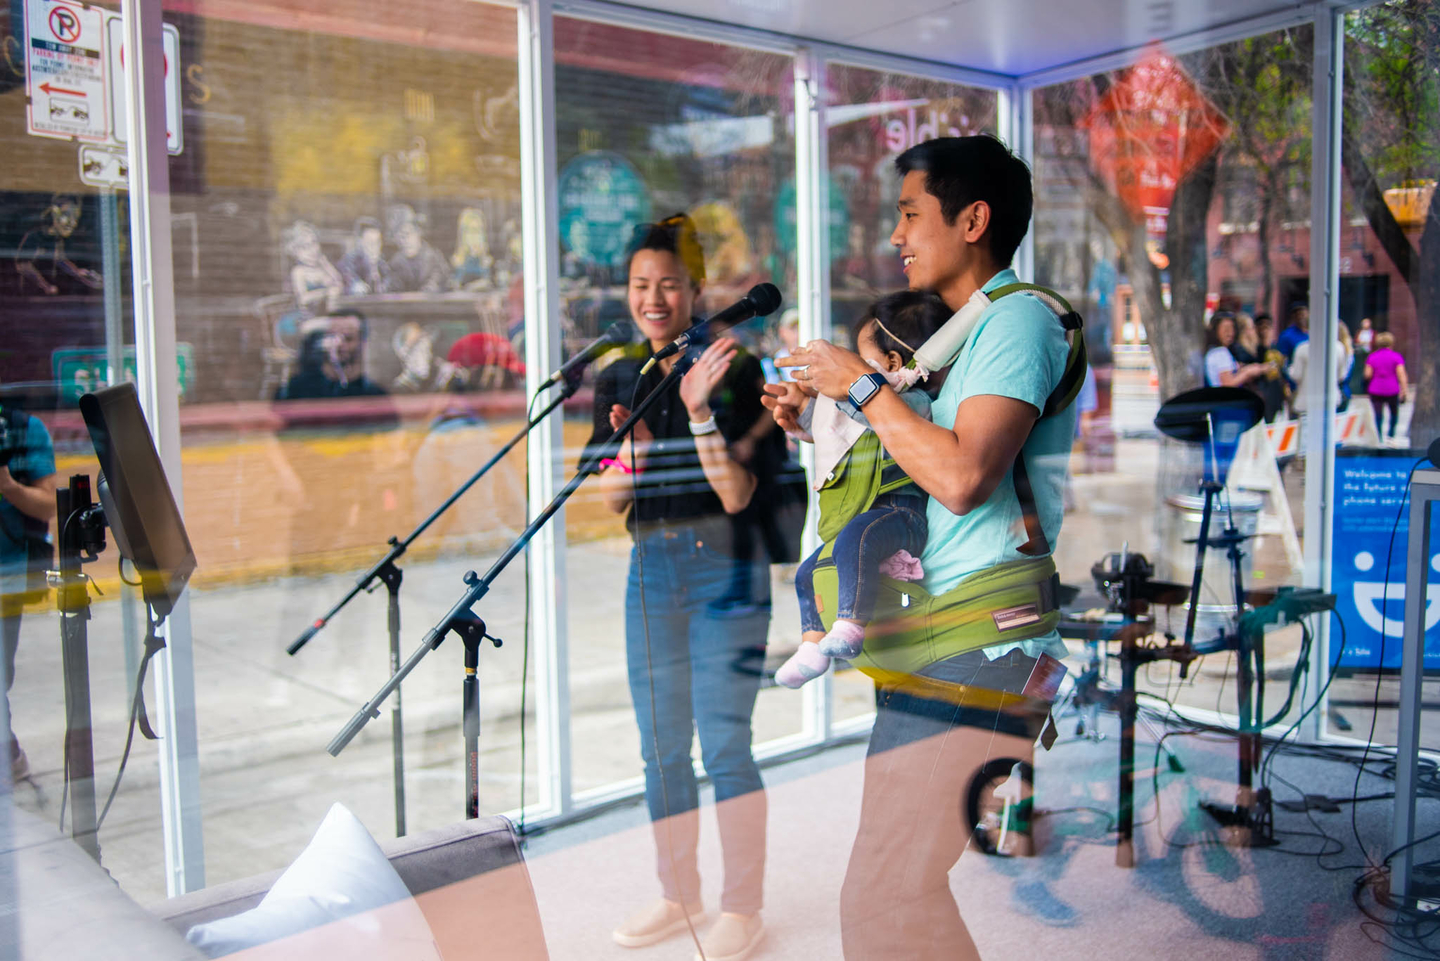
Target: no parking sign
<point x="1369" y="491"/>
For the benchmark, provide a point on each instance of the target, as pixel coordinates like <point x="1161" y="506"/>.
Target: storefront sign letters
<point x="902" y="133"/>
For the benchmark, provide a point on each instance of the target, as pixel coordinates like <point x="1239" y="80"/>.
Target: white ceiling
<point x="1011" y="37"/>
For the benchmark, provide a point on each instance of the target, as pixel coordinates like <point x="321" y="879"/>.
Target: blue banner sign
<point x="1368" y="573"/>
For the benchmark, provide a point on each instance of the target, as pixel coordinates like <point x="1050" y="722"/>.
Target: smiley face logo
<point x="1374" y="599"/>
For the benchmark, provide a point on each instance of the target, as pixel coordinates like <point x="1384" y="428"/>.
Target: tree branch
<point x="1371" y="201"/>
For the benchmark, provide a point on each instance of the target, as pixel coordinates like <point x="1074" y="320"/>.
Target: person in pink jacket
<point x="1385" y="373"/>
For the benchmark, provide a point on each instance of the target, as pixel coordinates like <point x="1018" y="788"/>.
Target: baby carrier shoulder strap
<point x="1037" y="544"/>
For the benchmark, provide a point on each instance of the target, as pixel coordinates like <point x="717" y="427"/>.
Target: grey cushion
<point x="453" y="853"/>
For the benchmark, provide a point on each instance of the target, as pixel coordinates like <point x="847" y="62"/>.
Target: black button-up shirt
<point x="673" y="489"/>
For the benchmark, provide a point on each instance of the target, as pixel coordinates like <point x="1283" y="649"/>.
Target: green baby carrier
<point x="1013" y="601"/>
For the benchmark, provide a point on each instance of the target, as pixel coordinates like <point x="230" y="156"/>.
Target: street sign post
<point x="75" y="76"/>
<point x="104" y="166"/>
<point x="65" y="71"/>
<point x="115" y="82"/>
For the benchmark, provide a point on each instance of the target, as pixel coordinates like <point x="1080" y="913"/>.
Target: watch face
<point x="864" y="389"/>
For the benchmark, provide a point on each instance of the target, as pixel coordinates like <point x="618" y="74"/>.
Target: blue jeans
<point x="895" y="902"/>
<point x="894" y="522"/>
<point x="9" y="644"/>
<point x="707" y="617"/>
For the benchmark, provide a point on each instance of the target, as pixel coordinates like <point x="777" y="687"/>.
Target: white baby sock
<point x="806" y="664"/>
<point x="845" y="640"/>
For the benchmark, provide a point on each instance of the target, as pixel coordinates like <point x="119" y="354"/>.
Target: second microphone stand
<point x="464" y="622"/>
<point x="386" y="572"/>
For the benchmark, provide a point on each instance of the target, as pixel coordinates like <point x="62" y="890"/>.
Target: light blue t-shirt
<point x="1017" y="349"/>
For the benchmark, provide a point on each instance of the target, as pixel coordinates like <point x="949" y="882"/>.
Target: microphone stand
<point x="391" y="576"/>
<point x="464" y="622"/>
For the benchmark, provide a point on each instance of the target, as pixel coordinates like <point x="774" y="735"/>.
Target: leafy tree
<point x="1174" y="330"/>
<point x="1391" y="137"/>
<point x="1263" y="85"/>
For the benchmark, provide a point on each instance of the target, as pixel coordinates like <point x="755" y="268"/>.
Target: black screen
<point x="139" y="505"/>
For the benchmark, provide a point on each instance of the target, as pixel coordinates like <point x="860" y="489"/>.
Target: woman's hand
<point x="638" y="440"/>
<point x="830" y="370"/>
<point x="701" y="380"/>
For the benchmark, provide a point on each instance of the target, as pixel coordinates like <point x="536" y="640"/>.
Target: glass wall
<point x="650" y="125"/>
<point x="345" y="214"/>
<point x="65" y="325"/>
<point x="1389" y="282"/>
<point x="1167" y="191"/>
<point x="345" y="221"/>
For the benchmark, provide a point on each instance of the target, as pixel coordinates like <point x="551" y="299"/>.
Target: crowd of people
<point x="1245" y="352"/>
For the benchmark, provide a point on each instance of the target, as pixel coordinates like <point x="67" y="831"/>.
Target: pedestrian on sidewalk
<point x="27" y="502"/>
<point x="1385" y="372"/>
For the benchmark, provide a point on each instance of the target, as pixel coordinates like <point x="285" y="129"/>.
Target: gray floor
<point x="1190" y="894"/>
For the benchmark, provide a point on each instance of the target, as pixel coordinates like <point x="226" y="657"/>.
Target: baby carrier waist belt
<point x="1014" y="601"/>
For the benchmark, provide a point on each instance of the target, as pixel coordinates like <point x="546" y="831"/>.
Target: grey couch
<point x="469" y="879"/>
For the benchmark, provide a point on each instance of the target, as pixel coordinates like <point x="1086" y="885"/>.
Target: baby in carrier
<point x="887" y="533"/>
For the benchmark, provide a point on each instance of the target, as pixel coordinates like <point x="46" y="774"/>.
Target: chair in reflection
<point x="279" y="318"/>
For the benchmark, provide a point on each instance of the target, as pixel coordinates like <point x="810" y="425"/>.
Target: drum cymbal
<point x="1189" y="416"/>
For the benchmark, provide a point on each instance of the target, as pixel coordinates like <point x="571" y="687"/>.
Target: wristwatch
<point x="865" y="387"/>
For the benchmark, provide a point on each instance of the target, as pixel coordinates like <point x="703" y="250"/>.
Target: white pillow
<point x="342" y="892"/>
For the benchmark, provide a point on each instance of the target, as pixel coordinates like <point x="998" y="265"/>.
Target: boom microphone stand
<point x="391" y="576"/>
<point x="471" y="628"/>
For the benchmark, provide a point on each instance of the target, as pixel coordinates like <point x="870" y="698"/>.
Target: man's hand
<point x="786" y="400"/>
<point x="830" y="370"/>
<point x="8" y="483"/>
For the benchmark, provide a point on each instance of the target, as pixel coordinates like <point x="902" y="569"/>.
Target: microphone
<point x="762" y="300"/>
<point x="618" y="333"/>
<point x="1434" y="452"/>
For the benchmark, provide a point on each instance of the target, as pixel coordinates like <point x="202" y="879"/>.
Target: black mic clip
<point x="617" y="334"/>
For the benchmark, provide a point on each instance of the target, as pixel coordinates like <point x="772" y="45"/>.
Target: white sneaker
<point x="733" y="937"/>
<point x="656" y="922"/>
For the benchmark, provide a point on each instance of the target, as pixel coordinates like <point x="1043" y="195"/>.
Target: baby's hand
<point x="786" y="400"/>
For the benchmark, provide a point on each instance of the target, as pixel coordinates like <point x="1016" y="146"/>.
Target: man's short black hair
<point x="961" y="170"/>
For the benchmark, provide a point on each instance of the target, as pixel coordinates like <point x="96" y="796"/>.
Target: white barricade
<point x="1255" y="470"/>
